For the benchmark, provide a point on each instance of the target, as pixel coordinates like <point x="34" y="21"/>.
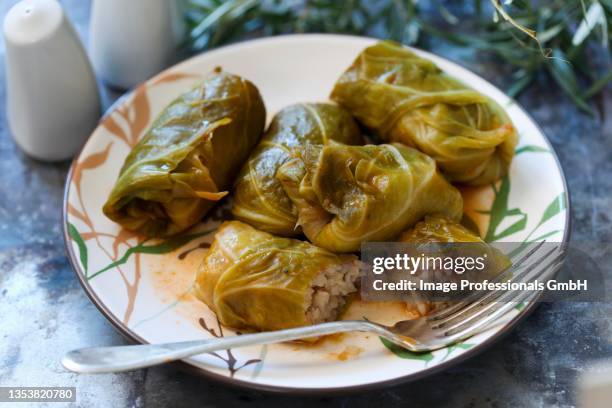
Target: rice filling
<point x="327" y="296"/>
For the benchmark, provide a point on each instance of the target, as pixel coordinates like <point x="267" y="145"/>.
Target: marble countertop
<point x="44" y="312"/>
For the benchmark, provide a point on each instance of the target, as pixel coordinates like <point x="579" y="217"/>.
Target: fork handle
<point x="124" y="358"/>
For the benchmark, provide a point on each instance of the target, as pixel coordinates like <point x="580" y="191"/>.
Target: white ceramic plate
<point x="143" y="288"/>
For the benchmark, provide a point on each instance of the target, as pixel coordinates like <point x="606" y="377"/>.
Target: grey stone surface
<point x="44" y="312"/>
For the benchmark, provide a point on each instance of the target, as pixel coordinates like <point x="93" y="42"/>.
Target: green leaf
<point x="554" y="208"/>
<point x="166" y="246"/>
<point x="407" y="354"/>
<point x="562" y="72"/>
<point x="456" y="346"/>
<point x="499" y="212"/>
<point x="498" y="208"/>
<point x="513" y="229"/>
<point x="76" y="237"/>
<point x="531" y="149"/>
<point x="463" y="346"/>
<point x="216" y="15"/>
<point x="592" y="18"/>
<point x="598" y="85"/>
<point x="550" y="33"/>
<point x="519" y="85"/>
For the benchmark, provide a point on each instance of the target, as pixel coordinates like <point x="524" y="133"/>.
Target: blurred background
<point x="552" y="56"/>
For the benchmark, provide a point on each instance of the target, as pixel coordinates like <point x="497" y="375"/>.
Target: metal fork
<point x="475" y="313"/>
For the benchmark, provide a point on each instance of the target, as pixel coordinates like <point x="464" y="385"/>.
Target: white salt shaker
<point x="130" y="41"/>
<point x="53" y="102"/>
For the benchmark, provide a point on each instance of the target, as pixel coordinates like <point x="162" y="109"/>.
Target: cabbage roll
<point x="188" y="158"/>
<point x="346" y="195"/>
<point x="258" y="281"/>
<point x="404" y="98"/>
<point x="438" y="229"/>
<point x="259" y="198"/>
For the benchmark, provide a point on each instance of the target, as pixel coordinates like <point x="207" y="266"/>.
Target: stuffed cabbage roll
<point x="259" y="198"/>
<point x="255" y="280"/>
<point x="188" y="158"/>
<point x="438" y="229"/>
<point x="404" y="98"/>
<point x="346" y="195"/>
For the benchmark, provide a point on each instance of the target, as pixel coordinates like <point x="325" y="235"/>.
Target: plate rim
<point x="276" y="389"/>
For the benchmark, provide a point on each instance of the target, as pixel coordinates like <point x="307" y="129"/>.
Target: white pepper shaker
<point x="130" y="41"/>
<point x="53" y="102"/>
